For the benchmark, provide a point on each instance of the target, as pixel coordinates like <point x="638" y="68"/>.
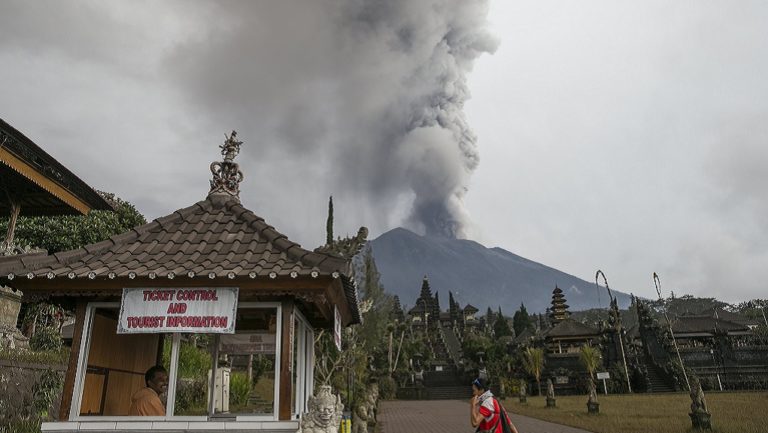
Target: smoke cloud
<point x="369" y="93"/>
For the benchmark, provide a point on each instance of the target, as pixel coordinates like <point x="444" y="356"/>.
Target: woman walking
<point x="485" y="411"/>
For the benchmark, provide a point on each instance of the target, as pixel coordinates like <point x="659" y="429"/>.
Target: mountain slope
<point x="475" y="274"/>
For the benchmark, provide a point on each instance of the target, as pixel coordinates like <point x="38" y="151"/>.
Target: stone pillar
<point x="10" y="305"/>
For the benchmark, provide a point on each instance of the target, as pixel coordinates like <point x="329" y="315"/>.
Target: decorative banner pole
<point x="657" y="283"/>
<point x="617" y="324"/>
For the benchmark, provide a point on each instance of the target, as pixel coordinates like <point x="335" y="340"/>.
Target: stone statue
<point x="550" y="394"/>
<point x="324" y="414"/>
<point x="698" y="402"/>
<point x="700" y="416"/>
<point x="523" y="391"/>
<point x="365" y="412"/>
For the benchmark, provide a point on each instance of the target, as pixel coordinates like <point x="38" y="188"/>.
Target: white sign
<point x="603" y="375"/>
<point x="191" y="310"/>
<point x="337" y="327"/>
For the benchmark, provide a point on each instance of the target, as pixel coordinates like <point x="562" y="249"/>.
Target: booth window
<point x="246" y="373"/>
<point x="193" y="366"/>
<point x="241" y="368"/>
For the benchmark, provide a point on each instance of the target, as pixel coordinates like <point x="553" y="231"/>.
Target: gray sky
<point x="627" y="136"/>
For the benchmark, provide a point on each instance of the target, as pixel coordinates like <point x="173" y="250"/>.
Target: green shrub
<point x="45" y="391"/>
<point x="239" y="388"/>
<point x="191" y="396"/>
<point x="261" y="364"/>
<point x="47" y="357"/>
<point x="21" y="426"/>
<point x="387" y="388"/>
<point x="47" y="338"/>
<point x="194" y="362"/>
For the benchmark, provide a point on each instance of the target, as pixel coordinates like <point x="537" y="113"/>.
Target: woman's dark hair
<point x="150" y="374"/>
<point x="480" y="383"/>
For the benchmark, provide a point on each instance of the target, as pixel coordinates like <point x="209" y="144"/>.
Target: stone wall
<point x="17" y="384"/>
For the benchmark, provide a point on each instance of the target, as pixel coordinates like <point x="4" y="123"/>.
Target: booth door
<point x="115" y="365"/>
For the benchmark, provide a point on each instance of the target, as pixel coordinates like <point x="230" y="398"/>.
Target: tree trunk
<point x="538" y="384"/>
<point x="15" y="210"/>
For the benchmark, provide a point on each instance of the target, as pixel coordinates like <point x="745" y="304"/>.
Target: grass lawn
<point x="659" y="413"/>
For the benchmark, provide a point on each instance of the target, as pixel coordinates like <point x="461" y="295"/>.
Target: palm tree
<point x="590" y="358"/>
<point x="533" y="362"/>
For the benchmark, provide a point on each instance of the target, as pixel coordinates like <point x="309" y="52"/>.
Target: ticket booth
<point x="226" y="304"/>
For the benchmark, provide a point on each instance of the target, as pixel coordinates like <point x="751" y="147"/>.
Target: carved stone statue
<point x="226" y="174"/>
<point x="550" y="394"/>
<point x="324" y="414"/>
<point x="365" y="412"/>
<point x="347" y="247"/>
<point x="698" y="402"/>
<point x="523" y="391"/>
<point x="700" y="416"/>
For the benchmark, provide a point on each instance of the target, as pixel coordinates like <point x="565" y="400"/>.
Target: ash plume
<point x="368" y="93"/>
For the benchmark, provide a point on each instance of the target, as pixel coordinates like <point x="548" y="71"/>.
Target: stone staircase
<point x="446" y="384"/>
<point x="452" y="345"/>
<point x="656" y="379"/>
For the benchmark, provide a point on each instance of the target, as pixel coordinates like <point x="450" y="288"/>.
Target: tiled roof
<point x="216" y="237"/>
<point x="737" y="318"/>
<point x="37" y="198"/>
<point x="572" y="328"/>
<point x="524" y="336"/>
<point x="704" y="324"/>
<point x="469" y="309"/>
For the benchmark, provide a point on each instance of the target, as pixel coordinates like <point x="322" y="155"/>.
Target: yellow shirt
<point x="146" y="402"/>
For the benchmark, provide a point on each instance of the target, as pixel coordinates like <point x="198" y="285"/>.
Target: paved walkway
<point x="449" y="416"/>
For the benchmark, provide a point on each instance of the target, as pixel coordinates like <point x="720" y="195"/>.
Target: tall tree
<point x="501" y="327"/>
<point x="590" y="359"/>
<point x="533" y="363"/>
<point x="329" y="223"/>
<point x="521" y="320"/>
<point x="377" y="303"/>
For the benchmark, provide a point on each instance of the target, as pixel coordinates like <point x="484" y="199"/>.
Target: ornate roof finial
<point x="227" y="175"/>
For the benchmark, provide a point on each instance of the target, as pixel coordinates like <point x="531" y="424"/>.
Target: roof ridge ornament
<point x="226" y="174"/>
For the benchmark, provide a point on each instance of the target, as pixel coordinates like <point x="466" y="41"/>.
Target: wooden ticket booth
<point x="213" y="294"/>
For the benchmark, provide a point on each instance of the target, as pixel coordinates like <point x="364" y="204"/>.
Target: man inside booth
<point x="146" y="401"/>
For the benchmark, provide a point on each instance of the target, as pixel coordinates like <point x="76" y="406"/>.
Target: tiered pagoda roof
<point x="559" y="310"/>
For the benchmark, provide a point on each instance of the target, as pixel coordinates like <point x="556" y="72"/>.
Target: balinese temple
<point x="213" y="283"/>
<point x="469" y="314"/>
<point x="566" y="336"/>
<point x="33" y="183"/>
<point x="424" y="310"/>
